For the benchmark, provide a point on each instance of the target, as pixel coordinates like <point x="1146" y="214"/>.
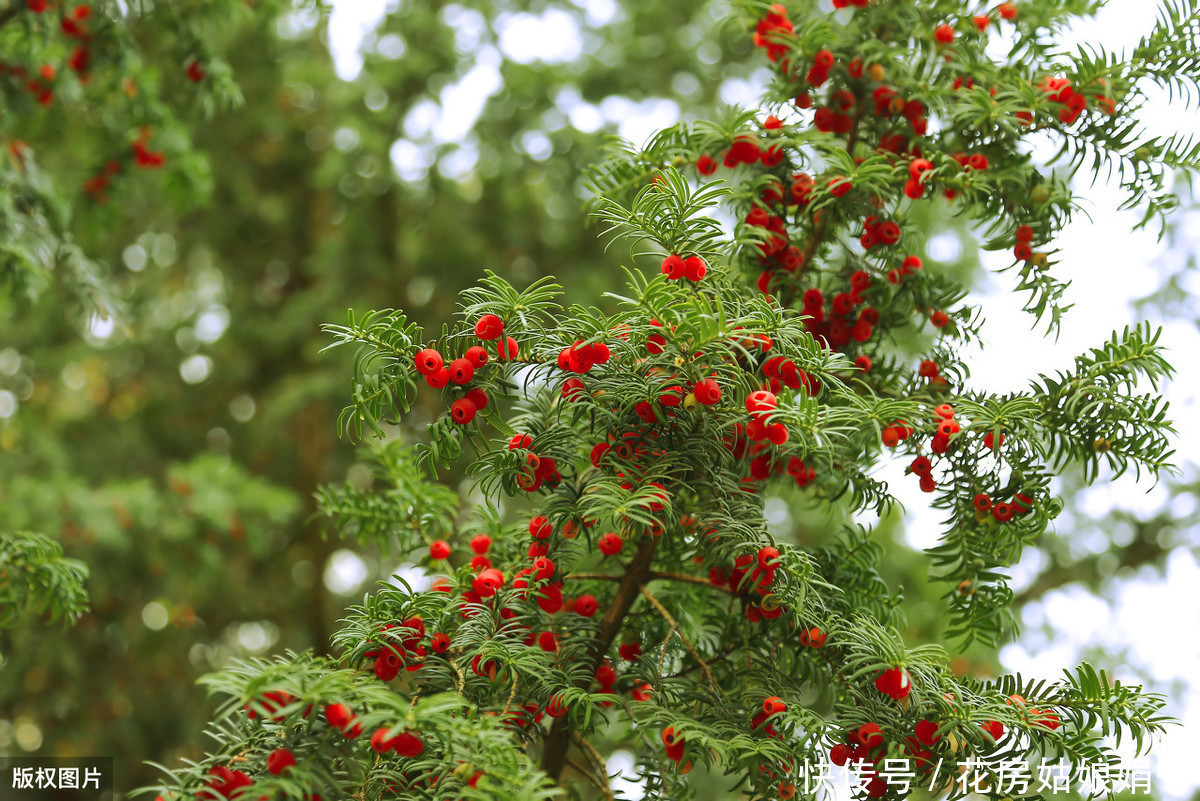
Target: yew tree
<point x="612" y="582"/>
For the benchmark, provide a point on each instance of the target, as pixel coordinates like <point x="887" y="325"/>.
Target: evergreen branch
<point x="35" y="576"/>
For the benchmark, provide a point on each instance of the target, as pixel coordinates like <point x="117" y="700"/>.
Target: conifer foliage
<point x="614" y="583"/>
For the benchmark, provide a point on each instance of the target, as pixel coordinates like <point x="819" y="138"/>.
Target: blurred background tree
<point x="164" y="412"/>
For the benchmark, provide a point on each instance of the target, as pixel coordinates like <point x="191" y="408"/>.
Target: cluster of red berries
<point x="751" y="575"/>
<point x="538" y="470"/>
<point x="430" y="363"/>
<point x="225" y="783"/>
<point x="401" y="649"/>
<point x="1003" y="511"/>
<point x="1023" y="250"/>
<point x="772" y="708"/>
<point x="39" y="85"/>
<point x="144" y="157"/>
<point x="844" y="321"/>
<point x="692" y="268"/>
<point x="775" y="241"/>
<point x="895" y="433"/>
<point x="879" y="232"/>
<point x="95" y="186"/>
<point x="74" y="26"/>
<point x="342" y="718"/>
<point x="771" y="30"/>
<point x="866" y="744"/>
<point x="405" y="744"/>
<point x="910" y="265"/>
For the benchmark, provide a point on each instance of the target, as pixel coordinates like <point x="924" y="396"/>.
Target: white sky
<point x="1107" y="264"/>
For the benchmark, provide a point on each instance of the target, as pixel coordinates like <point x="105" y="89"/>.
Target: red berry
<point x="982" y="502"/>
<point x="476" y="355"/>
<point x="1003" y="512"/>
<point x="438" y="379"/>
<point x="1008" y="11"/>
<point x="543" y="567"/>
<point x="774" y="706"/>
<point x="839" y="754"/>
<point x="926" y="732"/>
<point x="610" y="544"/>
<point x="944" y="34"/>
<point x="813" y="638"/>
<point x="487" y="582"/>
<point x="894" y="682"/>
<point x="707" y="392"/>
<point x="606" y="676"/>
<point x="338" y="715"/>
<point x="489" y="327"/>
<point x="407" y="744"/>
<point x="540" y="528"/>
<point x="548" y="642"/>
<point x="428" y="361"/>
<point x="280" y="760"/>
<point x="586" y="605"/>
<point x="557" y="706"/>
<point x="480" y="544"/>
<point x="462" y="411"/>
<point x="461" y="371"/>
<point x="706" y="165"/>
<point x="380" y="741"/>
<point x="760" y="402"/>
<point x="870" y="735"/>
<point x="767" y="556"/>
<point x="506" y="349"/>
<point x="630" y="651"/>
<point x="672" y="267"/>
<point x="694" y="268"/>
<point x="439" y="549"/>
<point x="478" y="397"/>
<point x="440" y="643"/>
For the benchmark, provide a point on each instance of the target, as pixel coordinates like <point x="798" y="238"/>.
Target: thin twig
<point x="511" y="695"/>
<point x="598" y="764"/>
<point x="662" y="610"/>
<point x="703" y="582"/>
<point x="662" y="658"/>
<point x="587" y="773"/>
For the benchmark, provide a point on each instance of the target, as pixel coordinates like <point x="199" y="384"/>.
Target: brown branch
<point x="692" y="580"/>
<point x="597" y="764"/>
<point x="662" y="610"/>
<point x="637" y="573"/>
